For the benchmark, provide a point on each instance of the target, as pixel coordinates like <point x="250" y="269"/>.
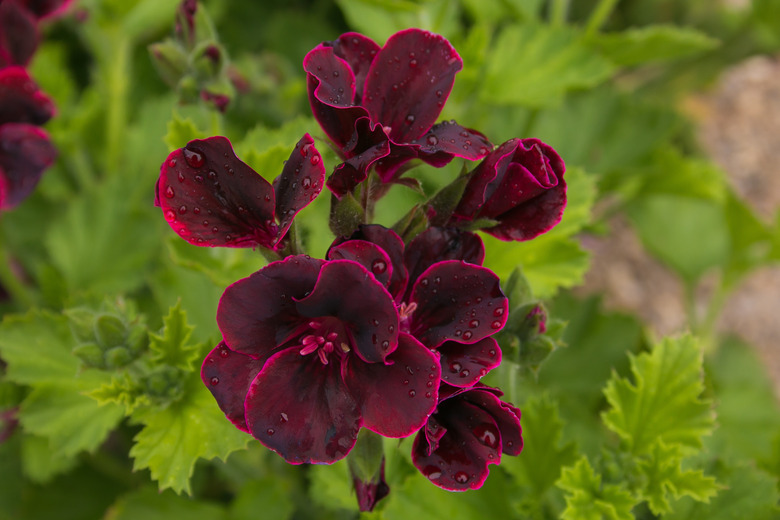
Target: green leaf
<point x="181" y="131"/>
<point x="172" y="347"/>
<point x="664" y="402"/>
<point x="541" y="63"/>
<point x="148" y="503"/>
<point x="271" y="495"/>
<point x="222" y="265"/>
<point x="40" y="463"/>
<point x="174" y="438"/>
<point x="652" y="44"/>
<point x="123" y="391"/>
<point x="331" y="486"/>
<point x="588" y="499"/>
<point x="663" y="476"/>
<point x="543" y="456"/>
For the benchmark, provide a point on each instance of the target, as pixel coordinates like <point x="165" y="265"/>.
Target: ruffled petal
<point x="436" y="244"/>
<point x="25" y="152"/>
<point x="369" y="255"/>
<point x="409" y="81"/>
<point x="471" y="442"/>
<point x="212" y="198"/>
<point x="463" y="365"/>
<point x="396" y="398"/>
<point x="506" y="416"/>
<point x="257" y="314"/>
<point x="359" y="51"/>
<point x="331" y="87"/>
<point x="457" y="301"/>
<point x="301" y="409"/>
<point x="348" y="291"/>
<point x="18" y="34"/>
<point x="21" y="101"/>
<point x="447" y="140"/>
<point x="299" y="183"/>
<point x="484" y="174"/>
<point x="228" y="374"/>
<point x="365" y="146"/>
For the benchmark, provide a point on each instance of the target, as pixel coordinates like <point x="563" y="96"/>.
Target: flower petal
<point x="212" y="198"/>
<point x="359" y="52"/>
<point x="25" y="152"/>
<point x="331" y="86"/>
<point x="21" y="101"/>
<point x="471" y="442"/>
<point x="301" y="409"/>
<point x="463" y="365"/>
<point x="507" y="417"/>
<point x="397" y="398"/>
<point x="348" y="291"/>
<point x="448" y="139"/>
<point x="389" y="241"/>
<point x="457" y="301"/>
<point x="299" y="183"/>
<point x="257" y="314"/>
<point x="436" y="244"/>
<point x="365" y="146"/>
<point x="18" y="34"/>
<point x="533" y="218"/>
<point x="409" y="82"/>
<point x="228" y="374"/>
<point x="369" y="255"/>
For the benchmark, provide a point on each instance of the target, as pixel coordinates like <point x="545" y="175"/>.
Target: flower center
<point x="325" y="338"/>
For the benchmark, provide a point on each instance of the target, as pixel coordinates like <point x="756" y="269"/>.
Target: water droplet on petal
<point x="465" y="373"/>
<point x="410" y="119"/>
<point x="223" y="352"/>
<point x="270" y="431"/>
<point x="283" y="418"/>
<point x="433" y="140"/>
<point x="498" y="312"/>
<point x="170" y="216"/>
<point x="413" y="63"/>
<point x="214" y="381"/>
<point x="182" y="210"/>
<point x="315" y="160"/>
<point x="474" y="324"/>
<point x="193" y="158"/>
<point x="172" y="163"/>
<point x="467" y="334"/>
<point x="487" y="434"/>
<point x="492" y="352"/>
<point x="169" y="192"/>
<point x="496" y="325"/>
<point x="412" y="393"/>
<point x="378" y="267"/>
<point x="455" y="367"/>
<point x="180" y="177"/>
<point x="461" y="477"/>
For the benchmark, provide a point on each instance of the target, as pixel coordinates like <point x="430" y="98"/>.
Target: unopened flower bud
<point x="90" y="354"/>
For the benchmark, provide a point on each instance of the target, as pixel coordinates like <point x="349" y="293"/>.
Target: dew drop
<point x="196" y="210"/>
<point x="432" y="472"/>
<point x="194" y="159"/>
<point x="172" y="163"/>
<point x="180" y="176"/>
<point x="465" y="373"/>
<point x="461" y="477"/>
<point x="385" y="344"/>
<point x="496" y="325"/>
<point x="170" y="216"/>
<point x="199" y="178"/>
<point x="498" y="312"/>
<point x="467" y="334"/>
<point x="214" y="381"/>
<point x="391" y="328"/>
<point x="439" y="93"/>
<point x="433" y="140"/>
<point x="429" y="384"/>
<point x="409" y="119"/>
<point x="412" y="393"/>
<point x="428" y="395"/>
<point x="213" y="175"/>
<point x="214" y="229"/>
<point x="315" y="160"/>
<point x="458" y="332"/>
<point x="378" y="267"/>
<point x="169" y="194"/>
<point x="270" y="431"/>
<point x="223" y="352"/>
<point x="455" y="367"/>
<point x="492" y="352"/>
<point x="182" y="210"/>
<point x="283" y="418"/>
<point x="375" y="322"/>
<point x="474" y="324"/>
<point x="412" y="63"/>
<point x="406" y="381"/>
<point x="335" y="74"/>
<point x="424" y="282"/>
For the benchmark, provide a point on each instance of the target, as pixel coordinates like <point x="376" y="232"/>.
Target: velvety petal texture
<point x="463" y="365"/>
<point x="469" y="431"/>
<point x="18" y="33"/>
<point x="21" y="101"/>
<point x="212" y="198"/>
<point x="25" y="152"/>
<point x="456" y="301"/>
<point x="521" y="185"/>
<point x="369" y="255"/>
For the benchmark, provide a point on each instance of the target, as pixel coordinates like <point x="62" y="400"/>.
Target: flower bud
<point x="170" y="61"/>
<point x="90" y="354"/>
<point x="117" y="357"/>
<point x="110" y="331"/>
<point x="82" y="324"/>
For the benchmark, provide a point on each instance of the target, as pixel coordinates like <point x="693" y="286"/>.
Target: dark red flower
<point x="520" y="184"/>
<point x="21" y="101"/>
<point x="445" y="299"/>
<point x="212" y="198"/>
<point x="312" y="352"/>
<point x="469" y="430"/>
<point x="379" y="105"/>
<point x="25" y="152"/>
<point x="18" y="33"/>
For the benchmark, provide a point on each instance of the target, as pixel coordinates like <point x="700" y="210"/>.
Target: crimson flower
<point x="19" y="32"/>
<point x="25" y="149"/>
<point x="520" y="185"/>
<point x="446" y="300"/>
<point x="470" y="430"/>
<point x="212" y="198"/>
<point x="379" y="104"/>
<point x="312" y="351"/>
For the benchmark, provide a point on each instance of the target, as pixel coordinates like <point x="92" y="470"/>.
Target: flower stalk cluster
<point x="393" y="331"/>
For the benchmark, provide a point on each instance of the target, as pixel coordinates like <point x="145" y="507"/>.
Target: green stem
<point x="559" y="9"/>
<point x="119" y="74"/>
<point x="690" y="308"/>
<point x="19" y="292"/>
<point x="599" y="16"/>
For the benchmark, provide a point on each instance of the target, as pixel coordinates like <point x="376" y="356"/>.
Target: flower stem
<point x="599" y="16"/>
<point x="119" y="75"/>
<point x="559" y="9"/>
<point x="21" y="295"/>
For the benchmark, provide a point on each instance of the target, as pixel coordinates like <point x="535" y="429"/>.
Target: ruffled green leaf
<point x="588" y="499"/>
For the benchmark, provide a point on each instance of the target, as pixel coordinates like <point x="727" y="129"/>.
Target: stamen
<point x="332" y="336"/>
<point x="344" y="347"/>
<point x="323" y="356"/>
<point x="406" y="310"/>
<point x="308" y="349"/>
<point x="308" y="340"/>
<point x="315" y="324"/>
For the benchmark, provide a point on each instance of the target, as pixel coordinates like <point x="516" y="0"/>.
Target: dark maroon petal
<point x="369" y="255"/>
<point x="348" y="291"/>
<point x="463" y="365"/>
<point x="371" y="491"/>
<point x="366" y="145"/>
<point x="18" y="34"/>
<point x="393" y="245"/>
<point x="457" y="301"/>
<point x="397" y="398"/>
<point x="21" y="101"/>
<point x="228" y="374"/>
<point x="212" y="198"/>
<point x="46" y="8"/>
<point x="436" y="244"/>
<point x="474" y="196"/>
<point x="25" y="152"/>
<point x="506" y="416"/>
<point x="301" y="409"/>
<point x="257" y="314"/>
<point x="409" y="82"/>
<point x="396" y="163"/>
<point x="448" y="139"/>
<point x="359" y="52"/>
<point x="532" y="218"/>
<point x="331" y="87"/>
<point x="299" y="183"/>
<point x="471" y="442"/>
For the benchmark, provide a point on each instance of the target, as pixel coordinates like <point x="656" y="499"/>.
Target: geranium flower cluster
<point x="25" y="149"/>
<point x="391" y="331"/>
